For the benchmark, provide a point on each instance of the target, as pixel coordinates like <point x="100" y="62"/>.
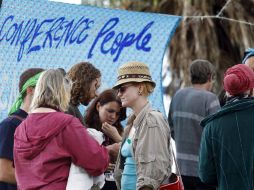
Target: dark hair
<point x="82" y="75"/>
<point x="27" y="74"/>
<point x="201" y="71"/>
<point x="222" y="97"/>
<point x="92" y="115"/>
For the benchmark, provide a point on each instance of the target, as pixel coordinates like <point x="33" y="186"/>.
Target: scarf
<point x="31" y="82"/>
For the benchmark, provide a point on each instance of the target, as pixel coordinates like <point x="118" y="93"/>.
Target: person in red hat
<point x="227" y="144"/>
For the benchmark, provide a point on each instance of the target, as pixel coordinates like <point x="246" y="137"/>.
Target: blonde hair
<point x="148" y="88"/>
<point x="52" y="90"/>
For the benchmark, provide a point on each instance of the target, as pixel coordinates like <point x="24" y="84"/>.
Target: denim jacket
<point x="151" y="149"/>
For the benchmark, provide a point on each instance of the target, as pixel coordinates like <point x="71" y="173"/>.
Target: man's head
<point x="201" y="72"/>
<point x="27" y="83"/>
<point x="239" y="80"/>
<point x="26" y="75"/>
<point x="86" y="80"/>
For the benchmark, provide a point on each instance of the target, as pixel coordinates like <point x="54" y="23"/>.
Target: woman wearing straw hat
<point x="145" y="158"/>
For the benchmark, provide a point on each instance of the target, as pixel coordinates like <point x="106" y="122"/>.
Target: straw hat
<point x="133" y="72"/>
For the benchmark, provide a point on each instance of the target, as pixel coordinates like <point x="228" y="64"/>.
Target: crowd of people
<point x="47" y="143"/>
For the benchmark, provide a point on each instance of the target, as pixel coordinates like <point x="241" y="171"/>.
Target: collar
<point x="140" y="117"/>
<point x="20" y="113"/>
<point x="232" y="107"/>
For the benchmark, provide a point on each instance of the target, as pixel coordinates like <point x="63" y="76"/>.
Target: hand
<point x="111" y="132"/>
<point x="7" y="172"/>
<point x="111" y="167"/>
<point x="113" y="151"/>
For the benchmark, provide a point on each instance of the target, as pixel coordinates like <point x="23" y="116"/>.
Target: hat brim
<point x="128" y="80"/>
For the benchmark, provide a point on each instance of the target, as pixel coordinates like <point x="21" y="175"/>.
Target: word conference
<point x="33" y="35"/>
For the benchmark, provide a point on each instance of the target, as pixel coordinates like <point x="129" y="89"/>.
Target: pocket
<point x="146" y="167"/>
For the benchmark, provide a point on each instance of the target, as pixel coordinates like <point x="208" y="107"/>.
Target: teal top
<point x="129" y="176"/>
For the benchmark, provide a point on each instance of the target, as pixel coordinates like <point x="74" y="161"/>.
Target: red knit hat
<point x="238" y="79"/>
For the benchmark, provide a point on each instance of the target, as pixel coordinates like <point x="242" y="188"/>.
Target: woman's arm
<point x="84" y="149"/>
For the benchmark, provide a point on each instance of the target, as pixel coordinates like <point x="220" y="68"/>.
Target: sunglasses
<point x="123" y="88"/>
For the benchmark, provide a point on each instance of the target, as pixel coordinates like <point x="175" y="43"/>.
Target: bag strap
<point x="174" y="158"/>
<point x="177" y="168"/>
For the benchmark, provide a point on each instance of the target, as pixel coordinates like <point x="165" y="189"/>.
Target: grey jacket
<point x="151" y="149"/>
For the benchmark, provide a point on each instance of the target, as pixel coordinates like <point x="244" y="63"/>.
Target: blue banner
<point x="51" y="35"/>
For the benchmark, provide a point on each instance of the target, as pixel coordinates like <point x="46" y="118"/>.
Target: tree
<point x="220" y="41"/>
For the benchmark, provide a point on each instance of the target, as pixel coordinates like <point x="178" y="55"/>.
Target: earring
<point x="139" y="93"/>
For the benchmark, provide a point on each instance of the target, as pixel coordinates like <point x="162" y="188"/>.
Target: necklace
<point x="131" y="134"/>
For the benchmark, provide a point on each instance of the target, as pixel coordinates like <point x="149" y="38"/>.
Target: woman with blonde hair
<point x="145" y="157"/>
<point x="48" y="141"/>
